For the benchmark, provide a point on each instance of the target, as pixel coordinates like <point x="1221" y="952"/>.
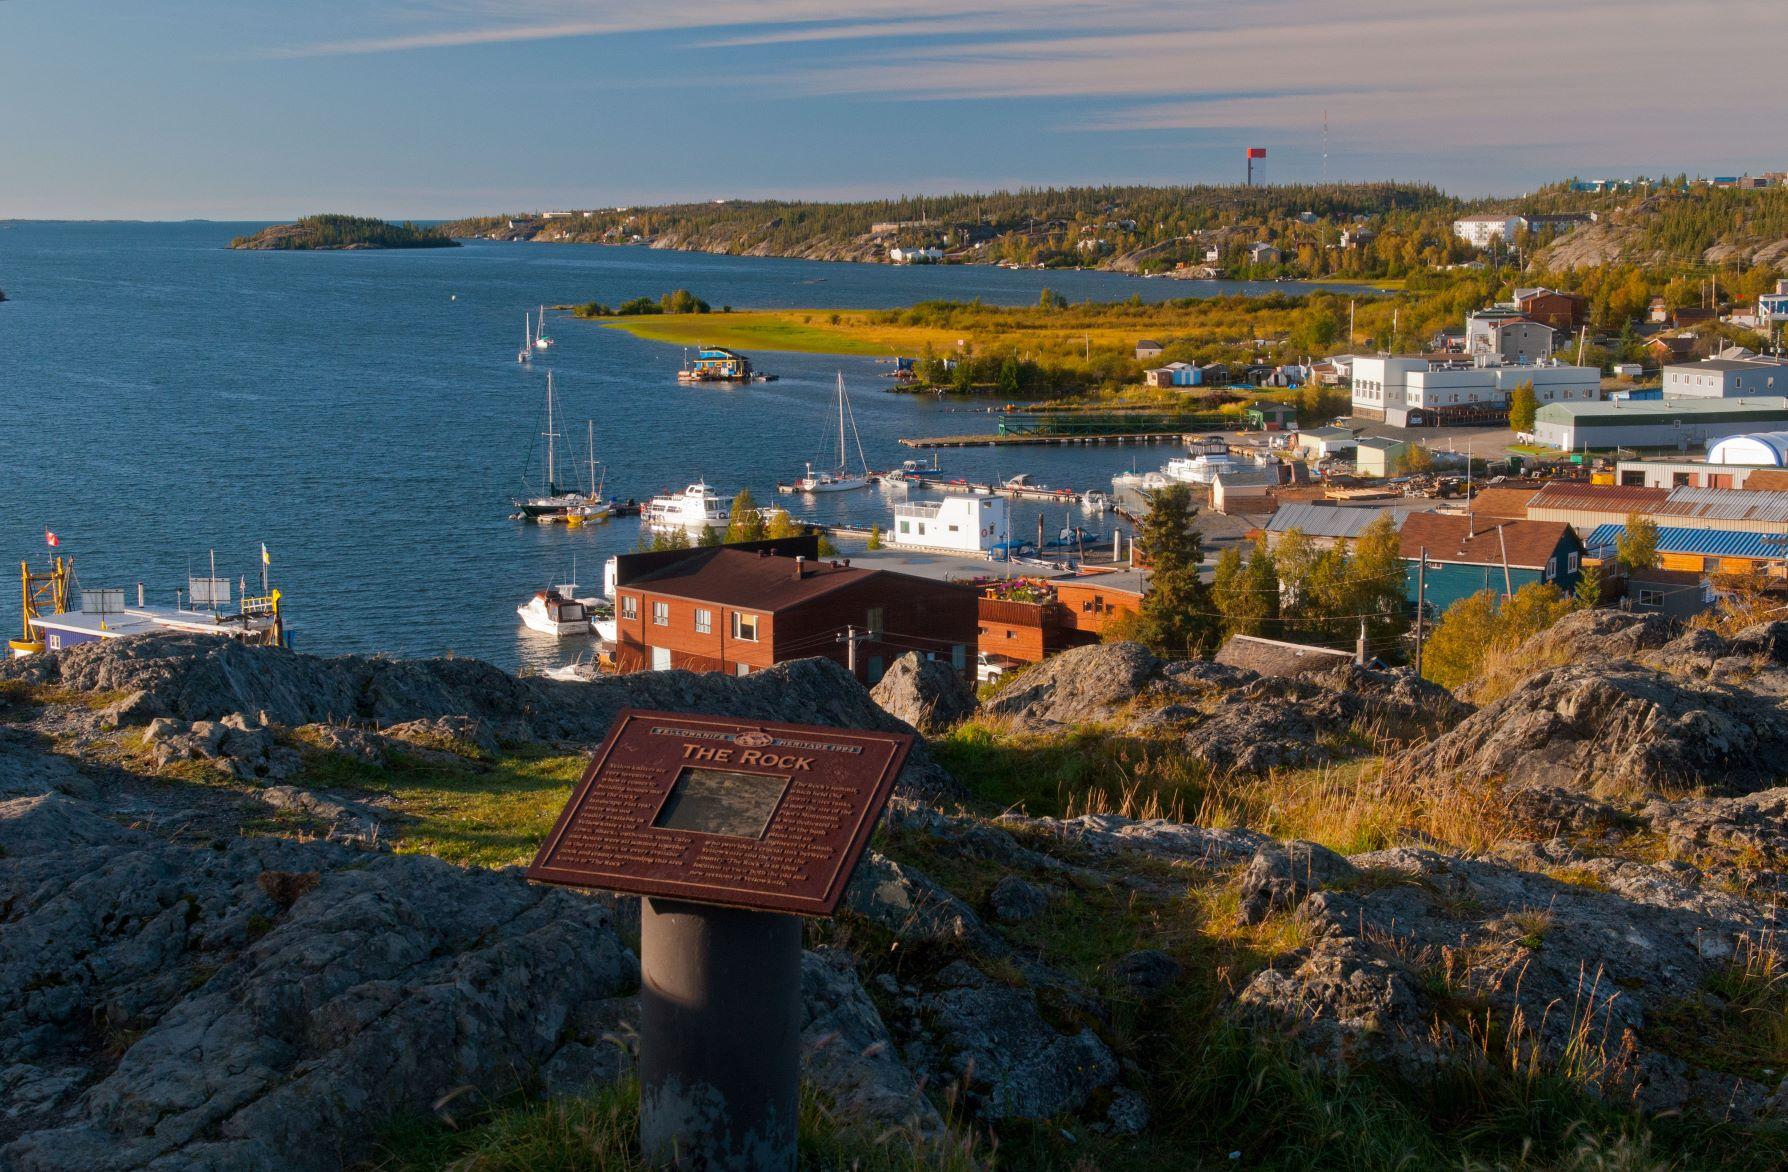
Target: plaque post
<point x="720" y="1036"/>
<point x="730" y="830"/>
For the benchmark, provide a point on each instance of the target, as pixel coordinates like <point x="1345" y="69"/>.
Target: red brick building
<point x="741" y="609"/>
<point x="1561" y="311"/>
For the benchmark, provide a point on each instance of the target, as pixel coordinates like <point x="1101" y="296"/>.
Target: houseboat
<point x="716" y="364"/>
<point x="696" y="507"/>
<point x="956" y="524"/>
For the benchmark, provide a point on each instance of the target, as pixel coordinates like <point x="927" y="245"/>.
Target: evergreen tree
<point x="875" y="538"/>
<point x="1589" y="586"/>
<point x="1176" y="613"/>
<point x="710" y="536"/>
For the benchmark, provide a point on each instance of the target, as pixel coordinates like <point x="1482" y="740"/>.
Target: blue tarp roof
<point x="1709" y="542"/>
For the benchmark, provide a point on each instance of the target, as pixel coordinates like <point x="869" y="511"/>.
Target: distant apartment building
<point x="1482" y="231"/>
<point x="1508" y="335"/>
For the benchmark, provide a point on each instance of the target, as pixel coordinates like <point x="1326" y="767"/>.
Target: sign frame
<point x="836" y="783"/>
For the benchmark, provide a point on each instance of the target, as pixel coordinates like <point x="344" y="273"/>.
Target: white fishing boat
<point x="696" y="507"/>
<point x="552" y="613"/>
<point x="840" y="477"/>
<point x="527" y="350"/>
<point x="541" y="341"/>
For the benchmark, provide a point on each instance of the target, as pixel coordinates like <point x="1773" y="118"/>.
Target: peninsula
<point x="335" y="232"/>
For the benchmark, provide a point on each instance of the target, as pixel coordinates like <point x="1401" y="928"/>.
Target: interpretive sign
<point x="741" y="813"/>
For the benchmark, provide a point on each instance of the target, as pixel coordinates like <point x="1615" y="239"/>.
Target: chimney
<point x="800" y="567"/>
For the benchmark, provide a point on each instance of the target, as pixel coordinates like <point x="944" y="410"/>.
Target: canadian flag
<point x="51" y="539"/>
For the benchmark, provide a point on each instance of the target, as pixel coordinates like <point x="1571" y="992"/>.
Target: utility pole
<point x="1508" y="585"/>
<point x="1421" y="602"/>
<point x="1359" y="650"/>
<point x="850" y="639"/>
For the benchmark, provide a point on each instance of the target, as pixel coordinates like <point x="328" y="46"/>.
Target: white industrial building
<point x="1418" y="391"/>
<point x="1768" y="448"/>
<point x="1726" y="378"/>
<point x="1682" y="423"/>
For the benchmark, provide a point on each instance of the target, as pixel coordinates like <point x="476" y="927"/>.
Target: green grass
<point x="600" y="1133"/>
<point x="796" y="331"/>
<point x="491" y="815"/>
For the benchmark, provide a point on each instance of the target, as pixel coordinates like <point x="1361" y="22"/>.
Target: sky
<point x="252" y="109"/>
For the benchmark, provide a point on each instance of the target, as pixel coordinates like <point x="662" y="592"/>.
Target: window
<point x="661" y="614"/>
<point x="630" y="606"/>
<point x="1650" y="597"/>
<point x="1571" y="563"/>
<point x="1551" y="568"/>
<point x="958" y="656"/>
<point x="905" y="527"/>
<point x="704" y="620"/>
<point x="874" y="620"/>
<point x="745" y="627"/>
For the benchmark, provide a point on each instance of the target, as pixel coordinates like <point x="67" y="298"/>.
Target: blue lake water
<point x="362" y="414"/>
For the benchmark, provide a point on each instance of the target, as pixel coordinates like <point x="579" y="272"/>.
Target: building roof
<point x="1725" y="365"/>
<point x="1270" y="657"/>
<point x="1725" y="504"/>
<point x="1325" y="433"/>
<point x="1452" y="537"/>
<point x="755" y="581"/>
<point x="1318" y="520"/>
<point x="1246" y="478"/>
<point x="1492" y="218"/>
<point x="1578" y="496"/>
<point x="1503" y="500"/>
<point x="1768" y="479"/>
<point x="1615" y="412"/>
<point x="1707" y="542"/>
<point x="1380" y="443"/>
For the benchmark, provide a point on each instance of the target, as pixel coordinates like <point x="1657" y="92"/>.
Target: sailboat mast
<point x="590" y="447"/>
<point x="841" y="421"/>
<point x="552" y="437"/>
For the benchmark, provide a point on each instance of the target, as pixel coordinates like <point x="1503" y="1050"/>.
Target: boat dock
<point x="1017" y="492"/>
<point x="991" y="439"/>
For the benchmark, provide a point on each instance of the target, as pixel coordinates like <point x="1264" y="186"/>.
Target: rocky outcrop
<point x="1232" y="719"/>
<point x="928" y="694"/>
<point x="1419" y="961"/>
<point x="1611" y="727"/>
<point x="1750" y="831"/>
<point x="262" y="1003"/>
<point x="197" y="678"/>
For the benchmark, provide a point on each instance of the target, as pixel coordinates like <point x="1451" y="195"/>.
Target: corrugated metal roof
<point x="1600" y="498"/>
<point x="1726" y="504"/>
<point x="1713" y="542"/>
<point x="1316" y="520"/>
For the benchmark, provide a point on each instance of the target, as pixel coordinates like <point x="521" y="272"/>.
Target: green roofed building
<point x="1678" y="424"/>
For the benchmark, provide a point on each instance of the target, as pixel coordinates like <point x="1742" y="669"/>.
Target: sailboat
<point x="552" y="502"/>
<point x="839" y="478"/>
<point x="527" y="350"/>
<point x="594" y="505"/>
<point x="541" y="341"/>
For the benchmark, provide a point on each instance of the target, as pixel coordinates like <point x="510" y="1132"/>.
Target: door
<point x="661" y="659"/>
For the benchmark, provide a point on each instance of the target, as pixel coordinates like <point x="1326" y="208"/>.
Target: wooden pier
<point x="992" y="440"/>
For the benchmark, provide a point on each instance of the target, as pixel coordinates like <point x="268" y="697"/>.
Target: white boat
<point x="527" y="350"/>
<point x="839" y="478"/>
<point x="1094" y="501"/>
<point x="581" y="670"/>
<point x="552" y="613"/>
<point x="541" y="341"/>
<point x="696" y="507"/>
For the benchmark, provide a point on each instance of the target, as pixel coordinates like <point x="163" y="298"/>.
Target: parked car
<point x="990" y="669"/>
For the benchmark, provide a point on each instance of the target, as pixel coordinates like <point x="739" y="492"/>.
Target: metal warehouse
<point x="1655" y="423"/>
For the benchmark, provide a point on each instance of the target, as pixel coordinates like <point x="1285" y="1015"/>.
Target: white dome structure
<point x="1758" y="447"/>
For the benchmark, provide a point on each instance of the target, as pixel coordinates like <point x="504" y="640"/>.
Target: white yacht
<point x="541" y="341"/>
<point x="1199" y="469"/>
<point x="696" y="507"/>
<point x="552" y="613"/>
<point x="840" y="477"/>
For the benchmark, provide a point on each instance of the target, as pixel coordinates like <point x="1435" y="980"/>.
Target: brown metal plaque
<point x="743" y="813"/>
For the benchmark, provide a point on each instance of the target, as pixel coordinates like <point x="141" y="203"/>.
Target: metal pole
<point x="720" y="1036"/>
<point x="1421" y="602"/>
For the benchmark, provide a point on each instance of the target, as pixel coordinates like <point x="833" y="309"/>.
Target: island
<point x="335" y="232"/>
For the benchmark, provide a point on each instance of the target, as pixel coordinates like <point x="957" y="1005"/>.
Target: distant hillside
<point x="1126" y="228"/>
<point x="1678" y="225"/>
<point x="345" y="232"/>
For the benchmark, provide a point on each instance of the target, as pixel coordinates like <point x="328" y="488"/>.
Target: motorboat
<point x="552" y="613"/>
<point x="696" y="507"/>
<point x="582" y="670"/>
